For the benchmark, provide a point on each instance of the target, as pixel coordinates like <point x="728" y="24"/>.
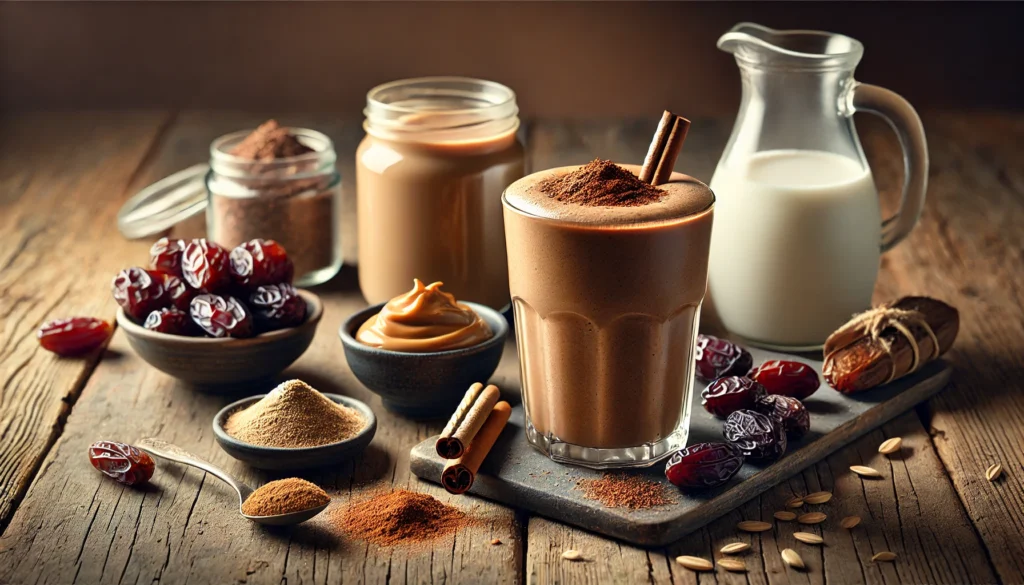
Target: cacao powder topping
<point x="601" y="183"/>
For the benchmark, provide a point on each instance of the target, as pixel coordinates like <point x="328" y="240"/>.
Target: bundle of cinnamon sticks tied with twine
<point x="470" y="434"/>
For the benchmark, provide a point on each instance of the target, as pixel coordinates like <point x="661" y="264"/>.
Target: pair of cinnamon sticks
<point x="470" y="434"/>
<point x="665" y="147"/>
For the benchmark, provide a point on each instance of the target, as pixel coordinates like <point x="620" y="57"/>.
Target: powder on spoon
<point x="284" y="496"/>
<point x="399" y="517"/>
<point x="294" y="415"/>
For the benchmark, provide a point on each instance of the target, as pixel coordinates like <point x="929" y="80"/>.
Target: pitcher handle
<point x="903" y="119"/>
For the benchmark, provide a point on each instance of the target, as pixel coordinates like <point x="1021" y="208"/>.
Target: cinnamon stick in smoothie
<point x="665" y="146"/>
<point x="458" y="474"/>
<point x="467" y="420"/>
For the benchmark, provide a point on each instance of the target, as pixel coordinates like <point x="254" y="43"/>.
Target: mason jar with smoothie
<point x="437" y="155"/>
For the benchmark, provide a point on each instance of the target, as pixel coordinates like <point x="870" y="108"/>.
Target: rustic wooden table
<point x="63" y="177"/>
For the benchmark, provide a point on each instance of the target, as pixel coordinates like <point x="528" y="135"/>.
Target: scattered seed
<point x="993" y="472"/>
<point x="890" y="446"/>
<point x="785" y="516"/>
<point x="884" y="557"/>
<point x="734" y="565"/>
<point x="792" y="559"/>
<point x="753" y="526"/>
<point x="796" y="502"/>
<point x="818" y="497"/>
<point x="808" y="538"/>
<point x="865" y="471"/>
<point x="734" y="547"/>
<point x="695" y="563"/>
<point x="496" y="542"/>
<point x="811" y="518"/>
<point x="572" y="555"/>
<point x="849" y="522"/>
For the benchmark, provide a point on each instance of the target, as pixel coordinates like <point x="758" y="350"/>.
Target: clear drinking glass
<point x="798" y="232"/>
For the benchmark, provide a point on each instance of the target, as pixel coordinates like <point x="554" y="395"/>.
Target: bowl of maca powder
<point x="295" y="426"/>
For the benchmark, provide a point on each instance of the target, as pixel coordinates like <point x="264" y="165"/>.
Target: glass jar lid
<point x="164" y="204"/>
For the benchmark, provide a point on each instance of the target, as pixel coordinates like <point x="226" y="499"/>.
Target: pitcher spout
<point x="756" y="44"/>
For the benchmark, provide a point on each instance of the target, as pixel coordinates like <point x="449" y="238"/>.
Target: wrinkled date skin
<point x="73" y="336"/>
<point x="165" y="256"/>
<point x="221" y="316"/>
<point x="139" y="292"/>
<point x="205" y="266"/>
<point x="179" y="294"/>
<point x="704" y="465"/>
<point x="260" y="262"/>
<point x="726" y="395"/>
<point x="790" y="411"/>
<point x="124" y="463"/>
<point x="718" y="357"/>
<point x="792" y="379"/>
<point x="758" y="436"/>
<point x="172" y="321"/>
<point x="276" y="306"/>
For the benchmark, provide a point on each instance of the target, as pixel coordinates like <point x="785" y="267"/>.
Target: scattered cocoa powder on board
<point x="284" y="496"/>
<point x="400" y="517"/>
<point x="621" y="490"/>
<point x="601" y="183"/>
<point x="294" y="415"/>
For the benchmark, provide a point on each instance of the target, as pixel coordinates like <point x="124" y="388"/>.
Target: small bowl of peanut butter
<point x="420" y="351"/>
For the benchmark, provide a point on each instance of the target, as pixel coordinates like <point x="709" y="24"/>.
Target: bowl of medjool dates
<point x="216" y="317"/>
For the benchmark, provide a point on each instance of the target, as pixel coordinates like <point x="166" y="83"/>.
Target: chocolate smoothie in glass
<point x="607" y="292"/>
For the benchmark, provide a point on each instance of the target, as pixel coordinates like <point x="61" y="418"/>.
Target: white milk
<point x="795" y="245"/>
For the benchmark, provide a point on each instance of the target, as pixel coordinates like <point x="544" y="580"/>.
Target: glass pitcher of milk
<point x="798" y="233"/>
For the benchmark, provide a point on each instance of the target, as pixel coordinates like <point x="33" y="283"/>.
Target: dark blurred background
<point x="574" y="59"/>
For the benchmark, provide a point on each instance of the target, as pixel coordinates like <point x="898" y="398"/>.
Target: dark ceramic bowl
<point x="225" y="362"/>
<point x="423" y="385"/>
<point x="283" y="459"/>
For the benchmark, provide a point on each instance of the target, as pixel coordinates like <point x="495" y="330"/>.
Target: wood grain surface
<point x="62" y="178"/>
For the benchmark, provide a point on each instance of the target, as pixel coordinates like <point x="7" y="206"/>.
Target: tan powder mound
<point x="284" y="496"/>
<point x="400" y="517"/>
<point x="294" y="415"/>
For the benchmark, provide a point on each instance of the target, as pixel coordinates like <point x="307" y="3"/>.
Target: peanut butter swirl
<point x="424" y="319"/>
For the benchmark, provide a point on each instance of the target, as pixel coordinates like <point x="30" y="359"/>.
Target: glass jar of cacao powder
<point x="437" y="155"/>
<point x="292" y="199"/>
<point x="273" y="183"/>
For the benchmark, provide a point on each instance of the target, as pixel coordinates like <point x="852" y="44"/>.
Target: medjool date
<point x="703" y="465"/>
<point x="787" y="378"/>
<point x="726" y="395"/>
<point x="758" y="436"/>
<point x="788" y="410"/>
<point x="719" y="357"/>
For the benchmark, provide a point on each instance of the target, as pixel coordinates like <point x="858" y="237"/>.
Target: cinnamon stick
<point x="465" y="423"/>
<point x="878" y="346"/>
<point x="459" y="474"/>
<point x="664" y="150"/>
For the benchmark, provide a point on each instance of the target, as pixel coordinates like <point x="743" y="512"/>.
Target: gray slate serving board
<point x="516" y="474"/>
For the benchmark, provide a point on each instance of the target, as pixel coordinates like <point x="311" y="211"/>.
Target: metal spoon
<point x="174" y="453"/>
